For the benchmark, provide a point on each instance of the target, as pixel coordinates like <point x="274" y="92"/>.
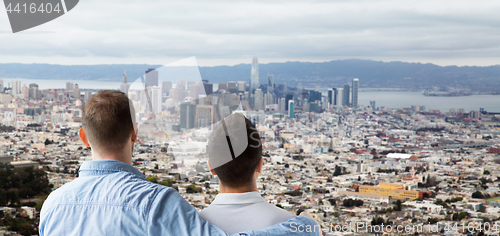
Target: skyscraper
<point x="222" y="87"/>
<point x="166" y="86"/>
<point x="314" y="96"/>
<point x="231" y="87"/>
<point x="335" y="96"/>
<point x="209" y="88"/>
<point x="270" y="84"/>
<point x="355" y="86"/>
<point x="290" y="109"/>
<point x="69" y="86"/>
<point x="156" y="99"/>
<point x="241" y="86"/>
<point x="204" y="115"/>
<point x="151" y="77"/>
<point x="372" y="105"/>
<point x="258" y="99"/>
<point x="254" y="76"/>
<point x="124" y="85"/>
<point x="25" y="91"/>
<point x="188" y="113"/>
<point x="331" y="93"/>
<point x="340" y="92"/>
<point x="288" y="97"/>
<point x="345" y="97"/>
<point x="33" y="91"/>
<point x="76" y="92"/>
<point x="1" y="86"/>
<point x="88" y="95"/>
<point x="281" y="105"/>
<point x="16" y="87"/>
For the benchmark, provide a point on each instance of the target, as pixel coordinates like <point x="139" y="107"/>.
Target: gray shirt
<point x="236" y="212"/>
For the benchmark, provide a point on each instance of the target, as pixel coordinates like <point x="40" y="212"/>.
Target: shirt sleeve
<point x="170" y="214"/>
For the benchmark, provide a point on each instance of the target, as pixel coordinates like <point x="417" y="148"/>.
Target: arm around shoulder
<point x="170" y="214"/>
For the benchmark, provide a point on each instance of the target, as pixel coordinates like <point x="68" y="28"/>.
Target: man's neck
<point x="119" y="156"/>
<point x="242" y="189"/>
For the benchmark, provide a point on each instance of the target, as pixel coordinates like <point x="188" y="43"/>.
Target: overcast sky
<point x="228" y="32"/>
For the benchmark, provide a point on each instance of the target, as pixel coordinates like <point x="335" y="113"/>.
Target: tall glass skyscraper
<point x="270" y="84"/>
<point x="345" y="98"/>
<point x="151" y="77"/>
<point x="254" y="75"/>
<point x="355" y="86"/>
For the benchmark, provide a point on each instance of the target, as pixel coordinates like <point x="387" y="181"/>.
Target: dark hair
<point x="107" y="120"/>
<point x="240" y="170"/>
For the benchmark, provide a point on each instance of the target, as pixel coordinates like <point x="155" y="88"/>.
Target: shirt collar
<point x="103" y="167"/>
<point x="238" y="198"/>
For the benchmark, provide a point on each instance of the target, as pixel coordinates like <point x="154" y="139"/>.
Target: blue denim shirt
<point x="114" y="198"/>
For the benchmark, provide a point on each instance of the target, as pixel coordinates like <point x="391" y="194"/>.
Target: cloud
<point x="231" y="32"/>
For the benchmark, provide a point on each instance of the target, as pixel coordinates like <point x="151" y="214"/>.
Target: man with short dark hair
<point x="110" y="197"/>
<point x="239" y="206"/>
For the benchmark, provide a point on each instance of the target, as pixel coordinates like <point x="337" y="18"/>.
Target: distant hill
<point x="372" y="74"/>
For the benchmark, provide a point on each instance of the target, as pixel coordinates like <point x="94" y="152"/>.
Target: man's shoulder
<point x="255" y="212"/>
<point x="126" y="188"/>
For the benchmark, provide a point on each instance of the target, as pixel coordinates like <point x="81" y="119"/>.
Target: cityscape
<point x="434" y="172"/>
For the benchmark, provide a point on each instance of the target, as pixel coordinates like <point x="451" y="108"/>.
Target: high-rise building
<point x="179" y="93"/>
<point x="281" y="105"/>
<point x="258" y="99"/>
<point x="290" y="109"/>
<point x="87" y="96"/>
<point x="314" y="107"/>
<point x="1" y="86"/>
<point x="372" y="105"/>
<point x="156" y="99"/>
<point x="181" y="83"/>
<point x="16" y="87"/>
<point x="314" y="96"/>
<point x="254" y="75"/>
<point x="166" y="86"/>
<point x="76" y="92"/>
<point x="189" y="84"/>
<point x="151" y="77"/>
<point x="194" y="91"/>
<point x="345" y="97"/>
<point x="335" y="97"/>
<point x="124" y="86"/>
<point x="288" y="98"/>
<point x="25" y="91"/>
<point x="268" y="99"/>
<point x="241" y="86"/>
<point x="204" y="115"/>
<point x="188" y="114"/>
<point x="270" y="84"/>
<point x="355" y="87"/>
<point x="69" y="86"/>
<point x="340" y="92"/>
<point x="222" y="87"/>
<point x="209" y="88"/>
<point x="33" y="91"/>
<point x="331" y="93"/>
<point x="231" y="87"/>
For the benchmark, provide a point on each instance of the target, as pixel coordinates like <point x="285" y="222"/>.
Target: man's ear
<point x="259" y="166"/>
<point x="210" y="167"/>
<point x="83" y="137"/>
<point x="134" y="133"/>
